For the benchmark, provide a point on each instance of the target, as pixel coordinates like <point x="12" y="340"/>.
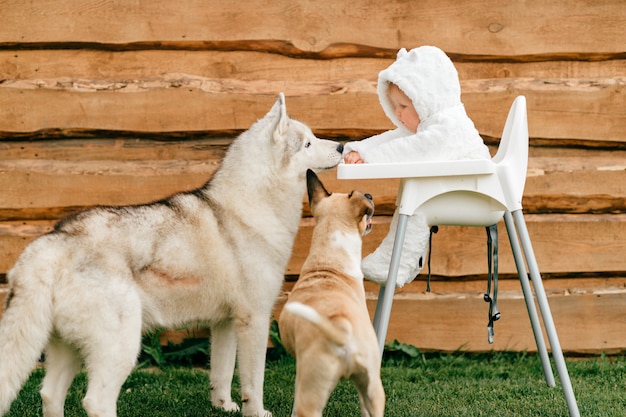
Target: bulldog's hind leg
<point x="371" y="394"/>
<point x="314" y="385"/>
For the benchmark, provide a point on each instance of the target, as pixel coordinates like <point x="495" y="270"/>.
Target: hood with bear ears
<point x="427" y="76"/>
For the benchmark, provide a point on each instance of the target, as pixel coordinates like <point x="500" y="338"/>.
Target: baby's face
<point x="403" y="107"/>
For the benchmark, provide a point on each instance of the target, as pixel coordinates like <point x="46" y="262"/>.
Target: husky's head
<point x="297" y="147"/>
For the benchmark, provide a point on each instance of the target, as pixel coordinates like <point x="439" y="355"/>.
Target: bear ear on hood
<point x="413" y="55"/>
<point x="427" y="76"/>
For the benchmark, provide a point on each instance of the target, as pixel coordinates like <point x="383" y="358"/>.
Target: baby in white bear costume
<point x="421" y="94"/>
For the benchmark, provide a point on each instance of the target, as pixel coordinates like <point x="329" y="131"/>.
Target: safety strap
<point x="489" y="297"/>
<point x="433" y="229"/>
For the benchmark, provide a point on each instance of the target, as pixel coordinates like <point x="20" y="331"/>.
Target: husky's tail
<point x="336" y="334"/>
<point x="25" y="328"/>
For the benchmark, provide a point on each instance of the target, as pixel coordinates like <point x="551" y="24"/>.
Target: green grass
<point x="496" y="384"/>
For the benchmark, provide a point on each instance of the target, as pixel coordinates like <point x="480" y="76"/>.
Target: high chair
<point x="473" y="193"/>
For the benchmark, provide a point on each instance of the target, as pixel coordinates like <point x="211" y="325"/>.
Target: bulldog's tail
<point x="336" y="334"/>
<point x="25" y="327"/>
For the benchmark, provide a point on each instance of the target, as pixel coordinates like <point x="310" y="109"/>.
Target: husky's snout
<point x="340" y="148"/>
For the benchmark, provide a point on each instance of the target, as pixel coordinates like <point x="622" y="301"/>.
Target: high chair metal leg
<point x="546" y="314"/>
<point x="516" y="229"/>
<point x="379" y="307"/>
<point x="383" y="306"/>
<point x="529" y="298"/>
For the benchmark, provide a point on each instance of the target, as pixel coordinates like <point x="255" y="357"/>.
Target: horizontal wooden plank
<point x="117" y="172"/>
<point x="542" y="159"/>
<point x="117" y="149"/>
<point x="550" y="110"/>
<point x="588" y="320"/>
<point x="252" y="65"/>
<point x="554" y="284"/>
<point x="192" y="103"/>
<point x="453" y="316"/>
<point x="27" y="184"/>
<point x="385" y="206"/>
<point x="584" y="322"/>
<point x="562" y="244"/>
<point x="533" y="204"/>
<point x="484" y="27"/>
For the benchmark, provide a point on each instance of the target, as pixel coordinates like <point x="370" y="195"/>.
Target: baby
<point x="421" y="94"/>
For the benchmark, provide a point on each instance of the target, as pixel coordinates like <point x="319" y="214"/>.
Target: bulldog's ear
<point x="366" y="213"/>
<point x="315" y="188"/>
<point x="278" y="113"/>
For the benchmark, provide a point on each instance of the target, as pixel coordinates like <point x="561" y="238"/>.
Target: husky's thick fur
<point x="325" y="323"/>
<point x="215" y="255"/>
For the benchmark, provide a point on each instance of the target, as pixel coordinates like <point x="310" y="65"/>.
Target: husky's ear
<point x="315" y="188"/>
<point x="281" y="120"/>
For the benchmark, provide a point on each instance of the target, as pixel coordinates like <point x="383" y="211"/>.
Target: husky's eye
<point x="308" y="144"/>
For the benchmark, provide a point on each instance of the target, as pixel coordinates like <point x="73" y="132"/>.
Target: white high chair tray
<point x="416" y="169"/>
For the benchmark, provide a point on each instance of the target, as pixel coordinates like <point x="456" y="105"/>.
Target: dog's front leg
<point x="223" y="355"/>
<point x="252" y="333"/>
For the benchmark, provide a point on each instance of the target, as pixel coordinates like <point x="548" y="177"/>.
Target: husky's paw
<point x="263" y="413"/>
<point x="231" y="406"/>
<point x="226" y="405"/>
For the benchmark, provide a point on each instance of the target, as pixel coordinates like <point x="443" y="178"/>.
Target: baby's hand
<point x="353" y="157"/>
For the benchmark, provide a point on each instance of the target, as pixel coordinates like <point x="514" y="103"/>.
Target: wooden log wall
<point x="115" y="102"/>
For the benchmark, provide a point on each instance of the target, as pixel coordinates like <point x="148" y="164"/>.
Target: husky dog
<point x="325" y="323"/>
<point x="215" y="255"/>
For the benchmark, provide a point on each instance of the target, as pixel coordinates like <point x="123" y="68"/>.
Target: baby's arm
<point x="359" y="149"/>
<point x="445" y="139"/>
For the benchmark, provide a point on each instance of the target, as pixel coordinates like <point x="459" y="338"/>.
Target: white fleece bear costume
<point x="428" y="77"/>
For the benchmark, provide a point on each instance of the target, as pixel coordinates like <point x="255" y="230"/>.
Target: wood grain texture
<point x="587" y="321"/>
<point x="562" y="244"/>
<point x="484" y="27"/>
<point x="190" y="103"/>
<point x="130" y="171"/>
<point x="116" y="102"/>
<point x="258" y="65"/>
